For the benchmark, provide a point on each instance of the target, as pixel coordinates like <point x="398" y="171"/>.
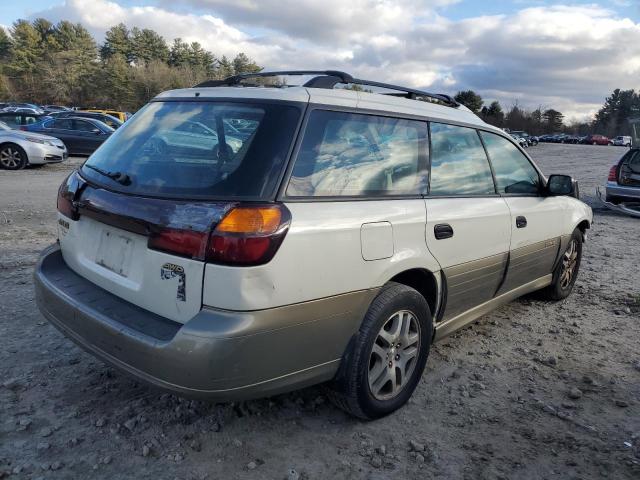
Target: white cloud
<point x="568" y="57"/>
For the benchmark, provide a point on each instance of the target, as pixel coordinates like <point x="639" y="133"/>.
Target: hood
<point x="24" y="134"/>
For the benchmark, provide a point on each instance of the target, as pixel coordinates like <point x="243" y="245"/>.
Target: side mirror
<point x="561" y="185"/>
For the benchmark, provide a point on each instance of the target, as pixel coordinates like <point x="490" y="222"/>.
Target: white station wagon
<point x="330" y="236"/>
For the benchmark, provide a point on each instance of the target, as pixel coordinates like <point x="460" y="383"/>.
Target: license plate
<point x="114" y="252"/>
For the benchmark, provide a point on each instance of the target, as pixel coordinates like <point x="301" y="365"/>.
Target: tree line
<point x="62" y="63"/>
<point x="612" y="118"/>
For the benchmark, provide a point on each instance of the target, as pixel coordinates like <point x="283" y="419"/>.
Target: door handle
<point x="521" y="222"/>
<point x="442" y="231"/>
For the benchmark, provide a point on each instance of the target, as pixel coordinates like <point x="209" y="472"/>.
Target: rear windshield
<point x="198" y="150"/>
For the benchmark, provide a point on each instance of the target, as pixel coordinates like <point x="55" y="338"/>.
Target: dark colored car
<point x="80" y="135"/>
<point x="113" y="122"/>
<point x="18" y="119"/>
<point x="55" y="108"/>
<point x="597" y="140"/>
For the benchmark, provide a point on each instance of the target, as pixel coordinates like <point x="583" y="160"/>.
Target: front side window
<point x="459" y="163"/>
<point x="514" y="173"/>
<point x="348" y="154"/>
<point x="182" y="149"/>
<point x="83" y="126"/>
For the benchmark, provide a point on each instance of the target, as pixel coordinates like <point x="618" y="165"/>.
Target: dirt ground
<point x="534" y="390"/>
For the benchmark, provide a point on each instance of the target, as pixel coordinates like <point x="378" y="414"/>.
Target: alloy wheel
<point x="394" y="355"/>
<point x="10" y="157"/>
<point x="569" y="263"/>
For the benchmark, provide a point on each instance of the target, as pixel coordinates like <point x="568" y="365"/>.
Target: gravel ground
<point x="533" y="390"/>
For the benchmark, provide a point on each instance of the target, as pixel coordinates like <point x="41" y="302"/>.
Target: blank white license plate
<point x="114" y="252"/>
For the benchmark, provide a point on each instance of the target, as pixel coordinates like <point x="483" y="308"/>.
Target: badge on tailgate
<point x="171" y="270"/>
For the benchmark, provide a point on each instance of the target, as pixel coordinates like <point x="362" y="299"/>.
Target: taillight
<point x="249" y="235"/>
<point x="181" y="242"/>
<point x="613" y="174"/>
<point x="64" y="203"/>
<point x="246" y="235"/>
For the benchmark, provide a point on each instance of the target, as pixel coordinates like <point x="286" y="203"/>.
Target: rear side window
<point x="182" y="149"/>
<point x="61" y="124"/>
<point x="514" y="172"/>
<point x="83" y="126"/>
<point x="459" y="163"/>
<point x="347" y="154"/>
<point x="12" y="120"/>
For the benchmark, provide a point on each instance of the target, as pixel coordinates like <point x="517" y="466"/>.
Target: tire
<point x="367" y="384"/>
<point x="561" y="286"/>
<point x="594" y="143"/>
<point x="12" y="157"/>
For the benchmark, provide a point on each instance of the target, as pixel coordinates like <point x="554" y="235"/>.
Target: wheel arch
<point x="425" y="282"/>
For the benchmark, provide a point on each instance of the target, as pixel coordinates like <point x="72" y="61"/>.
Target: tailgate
<point x="107" y="243"/>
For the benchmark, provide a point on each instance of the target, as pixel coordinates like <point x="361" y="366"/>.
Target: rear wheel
<point x="388" y="355"/>
<point x="12" y="157"/>
<point x="566" y="272"/>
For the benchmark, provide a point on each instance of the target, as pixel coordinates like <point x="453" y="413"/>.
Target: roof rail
<point x="329" y="79"/>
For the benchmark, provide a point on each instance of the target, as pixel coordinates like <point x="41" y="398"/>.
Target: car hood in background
<point x="24" y="135"/>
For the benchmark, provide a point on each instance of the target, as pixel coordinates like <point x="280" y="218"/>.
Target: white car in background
<point x="621" y="141"/>
<point x="19" y="149"/>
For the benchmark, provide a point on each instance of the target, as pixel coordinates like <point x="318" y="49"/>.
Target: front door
<point x="468" y="224"/>
<point x="536" y="220"/>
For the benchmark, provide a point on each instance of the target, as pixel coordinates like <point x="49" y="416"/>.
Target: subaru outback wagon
<point x="331" y="236"/>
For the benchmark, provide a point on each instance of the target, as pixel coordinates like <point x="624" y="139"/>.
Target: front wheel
<point x="566" y="272"/>
<point x="387" y="356"/>
<point x="12" y="157"/>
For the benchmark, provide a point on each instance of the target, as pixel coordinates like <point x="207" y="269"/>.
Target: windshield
<point x="198" y="149"/>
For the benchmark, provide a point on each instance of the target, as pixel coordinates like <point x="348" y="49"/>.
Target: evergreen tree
<point x="469" y="99"/>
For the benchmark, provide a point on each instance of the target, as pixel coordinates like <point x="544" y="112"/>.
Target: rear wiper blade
<point x="121" y="178"/>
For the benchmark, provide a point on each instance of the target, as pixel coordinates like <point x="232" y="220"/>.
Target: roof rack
<point x="329" y="79"/>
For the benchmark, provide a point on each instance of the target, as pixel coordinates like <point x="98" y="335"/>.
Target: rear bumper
<point x="220" y="355"/>
<point x="616" y="190"/>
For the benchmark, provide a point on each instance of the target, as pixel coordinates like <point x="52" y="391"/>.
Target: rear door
<point x="468" y="224"/>
<point x="536" y="220"/>
<point x="87" y="137"/>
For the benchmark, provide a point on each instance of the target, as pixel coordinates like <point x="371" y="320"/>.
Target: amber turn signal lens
<point x="251" y="220"/>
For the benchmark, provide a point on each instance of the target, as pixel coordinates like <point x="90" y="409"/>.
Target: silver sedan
<point x="19" y="149"/>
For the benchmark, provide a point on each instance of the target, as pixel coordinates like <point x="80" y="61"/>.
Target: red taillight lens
<point x="613" y="174"/>
<point x="249" y="235"/>
<point x="65" y="205"/>
<point x="181" y="242"/>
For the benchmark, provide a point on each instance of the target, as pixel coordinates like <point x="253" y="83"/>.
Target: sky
<point x="566" y="55"/>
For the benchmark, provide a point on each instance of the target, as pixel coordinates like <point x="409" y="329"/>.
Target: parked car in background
<point x="621" y="141"/>
<point x="521" y="141"/>
<point x="55" y="108"/>
<point x="27" y="110"/>
<point x="19" y="149"/>
<point x="18" y="119"/>
<point x="113" y="122"/>
<point x="237" y="274"/>
<point x="81" y="135"/>
<point x="623" y="182"/>
<point x="529" y="139"/>
<point x="122" y="116"/>
<point x="597" y="140"/>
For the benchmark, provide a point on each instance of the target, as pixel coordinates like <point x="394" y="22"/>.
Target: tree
<point x="243" y="64"/>
<point x="5" y="45"/>
<point x="493" y="114"/>
<point x="469" y="99"/>
<point x="147" y="45"/>
<point x="117" y="42"/>
<point x="553" y="119"/>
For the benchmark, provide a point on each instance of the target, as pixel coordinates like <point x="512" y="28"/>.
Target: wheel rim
<point x="394" y="355"/>
<point x="569" y="264"/>
<point x="10" y="157"/>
